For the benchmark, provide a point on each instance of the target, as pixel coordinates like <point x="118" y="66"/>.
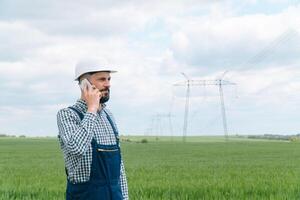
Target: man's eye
<point x="103" y="79"/>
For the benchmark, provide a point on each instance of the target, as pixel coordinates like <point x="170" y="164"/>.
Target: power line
<point x="286" y="36"/>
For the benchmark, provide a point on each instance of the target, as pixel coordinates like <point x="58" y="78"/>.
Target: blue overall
<point x="104" y="182"/>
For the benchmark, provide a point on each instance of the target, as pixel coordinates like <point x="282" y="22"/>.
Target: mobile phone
<point x="85" y="84"/>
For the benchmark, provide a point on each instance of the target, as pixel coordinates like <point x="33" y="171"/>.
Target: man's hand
<point x="92" y="97"/>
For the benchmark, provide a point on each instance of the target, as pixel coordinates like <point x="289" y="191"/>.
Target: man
<point x="89" y="139"/>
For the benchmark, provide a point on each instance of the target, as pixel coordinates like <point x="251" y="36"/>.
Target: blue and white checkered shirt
<point x="75" y="136"/>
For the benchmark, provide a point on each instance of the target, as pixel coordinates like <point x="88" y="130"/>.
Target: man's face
<point x="102" y="82"/>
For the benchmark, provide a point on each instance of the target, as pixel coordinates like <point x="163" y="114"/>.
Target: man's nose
<point x="107" y="83"/>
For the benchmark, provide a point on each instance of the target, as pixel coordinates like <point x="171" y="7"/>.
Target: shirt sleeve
<point x="75" y="134"/>
<point x="123" y="180"/>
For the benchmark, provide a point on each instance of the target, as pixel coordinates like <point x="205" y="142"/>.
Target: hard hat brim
<point x="110" y="71"/>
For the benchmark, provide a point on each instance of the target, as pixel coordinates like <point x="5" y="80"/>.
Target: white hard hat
<point x="91" y="65"/>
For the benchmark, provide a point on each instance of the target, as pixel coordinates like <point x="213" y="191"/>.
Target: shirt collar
<point x="81" y="104"/>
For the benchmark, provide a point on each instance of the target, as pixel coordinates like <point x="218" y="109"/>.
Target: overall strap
<point x="113" y="127"/>
<point x="78" y="112"/>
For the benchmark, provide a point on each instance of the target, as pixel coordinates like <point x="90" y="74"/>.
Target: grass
<point x="201" y="168"/>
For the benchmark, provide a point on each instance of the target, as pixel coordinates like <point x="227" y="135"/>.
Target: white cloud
<point x="217" y="42"/>
<point x="18" y="40"/>
<point x="151" y="42"/>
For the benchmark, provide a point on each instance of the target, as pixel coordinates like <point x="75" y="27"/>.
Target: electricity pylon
<point x="187" y="101"/>
<point x="156" y="127"/>
<point x="218" y="82"/>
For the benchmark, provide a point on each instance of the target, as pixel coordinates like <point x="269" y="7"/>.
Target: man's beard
<point x="105" y="98"/>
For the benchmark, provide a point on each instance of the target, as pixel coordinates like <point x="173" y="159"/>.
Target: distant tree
<point x="294" y="139"/>
<point x="144" y="140"/>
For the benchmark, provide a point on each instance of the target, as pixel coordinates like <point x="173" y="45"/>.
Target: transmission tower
<point x="187" y="102"/>
<point x="218" y="82"/>
<point x="157" y="124"/>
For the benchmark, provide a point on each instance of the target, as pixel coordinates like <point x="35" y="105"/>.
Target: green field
<point x="201" y="168"/>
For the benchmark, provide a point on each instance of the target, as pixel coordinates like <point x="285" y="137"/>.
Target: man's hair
<point x="86" y="75"/>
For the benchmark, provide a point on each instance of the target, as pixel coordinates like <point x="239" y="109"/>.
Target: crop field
<point x="163" y="168"/>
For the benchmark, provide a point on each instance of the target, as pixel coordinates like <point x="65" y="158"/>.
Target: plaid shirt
<point x="75" y="138"/>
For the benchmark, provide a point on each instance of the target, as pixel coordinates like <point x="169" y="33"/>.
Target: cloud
<point x="215" y="42"/>
<point x="18" y="40"/>
<point x="151" y="43"/>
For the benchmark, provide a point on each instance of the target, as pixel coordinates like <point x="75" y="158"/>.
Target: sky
<point x="253" y="44"/>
